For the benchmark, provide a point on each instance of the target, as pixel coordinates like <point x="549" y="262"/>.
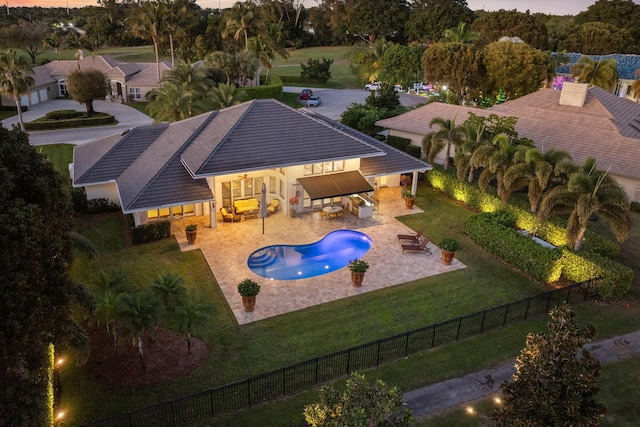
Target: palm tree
<point x="543" y="170"/>
<point x="264" y="47"/>
<point x="449" y="134"/>
<point x="460" y="34"/>
<point x="239" y="20"/>
<point x="177" y="16"/>
<point x="220" y="97"/>
<point x="147" y="20"/>
<point x="602" y="73"/>
<point x="497" y="158"/>
<point x="474" y="136"/>
<point x="140" y="313"/>
<point x="193" y="316"/>
<point x="108" y="310"/>
<point x="588" y="192"/>
<point x="169" y="287"/>
<point x="16" y="78"/>
<point x="56" y="41"/>
<point x="171" y="103"/>
<point x="192" y="78"/>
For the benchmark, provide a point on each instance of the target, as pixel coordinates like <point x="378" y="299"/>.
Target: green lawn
<point x="7" y="114"/>
<point x="59" y="154"/>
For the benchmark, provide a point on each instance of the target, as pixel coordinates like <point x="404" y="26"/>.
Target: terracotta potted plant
<point x="449" y="247"/>
<point x="192" y="231"/>
<point x="358" y="267"/>
<point x="293" y="202"/>
<point x="409" y="198"/>
<point x="248" y="289"/>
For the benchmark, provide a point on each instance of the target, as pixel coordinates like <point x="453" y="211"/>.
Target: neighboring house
<point x="585" y="122"/>
<point x="199" y="165"/>
<point x="127" y="80"/>
<point x="628" y="65"/>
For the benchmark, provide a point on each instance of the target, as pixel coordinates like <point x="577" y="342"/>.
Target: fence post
<point x="284" y="380"/>
<point x="378" y="355"/>
<point x="173" y="414"/>
<point x="459" y="325"/>
<point x="433" y="337"/>
<point x="526" y="313"/>
<point x="249" y="391"/>
<point x="348" y="361"/>
<point x="506" y="311"/>
<point x="130" y="420"/>
<point x="317" y="361"/>
<point x="484" y="315"/>
<point x="213" y="412"/>
<point x="406" y="345"/>
<point x="546" y="310"/>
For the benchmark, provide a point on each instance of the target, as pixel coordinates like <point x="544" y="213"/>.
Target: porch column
<point x="414" y="182"/>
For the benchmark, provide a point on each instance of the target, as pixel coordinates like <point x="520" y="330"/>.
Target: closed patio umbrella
<point x="263" y="204"/>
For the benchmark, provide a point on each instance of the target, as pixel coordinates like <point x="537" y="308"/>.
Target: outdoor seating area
<point x="246" y="206"/>
<point x="332" y="212"/>
<point x="415" y="247"/>
<point x="273" y="207"/>
<point x="414" y="238"/>
<point x="387" y="267"/>
<point x="229" y="216"/>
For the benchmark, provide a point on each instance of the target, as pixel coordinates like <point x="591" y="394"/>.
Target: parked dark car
<point x="305" y="94"/>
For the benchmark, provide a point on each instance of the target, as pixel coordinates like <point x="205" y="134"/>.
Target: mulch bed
<point x="166" y="358"/>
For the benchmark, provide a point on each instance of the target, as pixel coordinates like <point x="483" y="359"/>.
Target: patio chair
<point x="415" y="238"/>
<point x="229" y="216"/>
<point x="273" y="207"/>
<point x="422" y="247"/>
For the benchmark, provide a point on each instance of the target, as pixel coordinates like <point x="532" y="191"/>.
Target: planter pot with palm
<point x="358" y="268"/>
<point x="248" y="289"/>
<point x="449" y="247"/>
<point x="409" y="198"/>
<point x="192" y="232"/>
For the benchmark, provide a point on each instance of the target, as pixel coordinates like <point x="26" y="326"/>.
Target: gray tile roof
<point x="606" y="127"/>
<point x="393" y="162"/>
<point x="265" y="133"/>
<point x="166" y="165"/>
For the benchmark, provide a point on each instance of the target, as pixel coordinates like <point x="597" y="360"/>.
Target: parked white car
<point x="313" y="101"/>
<point x="373" y="86"/>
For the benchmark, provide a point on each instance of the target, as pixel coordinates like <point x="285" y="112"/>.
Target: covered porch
<point x="227" y="247"/>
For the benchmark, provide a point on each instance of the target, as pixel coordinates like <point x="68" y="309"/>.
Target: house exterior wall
<point x="103" y="191"/>
<point x="631" y="187"/>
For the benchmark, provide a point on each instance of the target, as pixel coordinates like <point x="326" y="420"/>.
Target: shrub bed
<point x="272" y="90"/>
<point x="593" y="262"/>
<point x="24" y="108"/>
<point x="150" y="232"/>
<point x="93" y="206"/>
<point x="97" y="120"/>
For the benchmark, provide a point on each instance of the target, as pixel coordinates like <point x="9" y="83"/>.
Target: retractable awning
<point x="335" y="185"/>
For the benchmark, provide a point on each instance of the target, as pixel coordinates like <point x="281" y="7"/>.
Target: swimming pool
<point x="289" y="262"/>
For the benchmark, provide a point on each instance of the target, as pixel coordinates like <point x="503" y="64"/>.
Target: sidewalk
<point x="437" y="397"/>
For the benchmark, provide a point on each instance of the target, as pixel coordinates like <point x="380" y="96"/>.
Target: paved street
<point x="126" y="116"/>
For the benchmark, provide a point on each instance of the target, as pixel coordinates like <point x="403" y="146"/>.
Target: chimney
<point x="574" y="94"/>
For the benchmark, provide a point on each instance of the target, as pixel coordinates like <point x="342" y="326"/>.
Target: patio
<point x="227" y="247"/>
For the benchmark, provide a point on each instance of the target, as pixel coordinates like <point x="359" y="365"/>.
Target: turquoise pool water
<point x="289" y="262"/>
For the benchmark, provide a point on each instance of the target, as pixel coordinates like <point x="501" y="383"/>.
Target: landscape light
<point x="497" y="400"/>
<point x="470" y="410"/>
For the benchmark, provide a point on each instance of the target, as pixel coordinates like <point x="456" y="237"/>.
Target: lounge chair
<point x="415" y="238"/>
<point x="229" y="216"/>
<point x="273" y="207"/>
<point x="422" y="247"/>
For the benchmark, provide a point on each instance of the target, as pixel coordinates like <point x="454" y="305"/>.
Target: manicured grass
<point x="7" y="114"/>
<point x="123" y="53"/>
<point x="59" y="154"/>
<point x="140" y="106"/>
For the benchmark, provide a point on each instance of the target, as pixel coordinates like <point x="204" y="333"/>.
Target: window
<point x="326" y="167"/>
<point x="134" y="92"/>
<point x="174" y="211"/>
<point x="272" y="185"/>
<point x="240" y="189"/>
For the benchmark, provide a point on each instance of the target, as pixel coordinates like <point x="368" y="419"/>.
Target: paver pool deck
<point x="227" y="248"/>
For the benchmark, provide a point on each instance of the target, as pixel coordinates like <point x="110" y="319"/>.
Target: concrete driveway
<point x="126" y="116"/>
<point x="333" y="102"/>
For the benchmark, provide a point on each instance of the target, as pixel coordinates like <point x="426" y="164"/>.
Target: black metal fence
<point x="292" y="379"/>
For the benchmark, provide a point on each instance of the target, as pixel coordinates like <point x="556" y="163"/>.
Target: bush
<point x="398" y="142"/>
<point x="24" y="108"/>
<point x="634" y="206"/>
<point x="150" y="232"/>
<point x="273" y="90"/>
<point x="96" y="206"/>
<point x="79" y="199"/>
<point x="414" y="151"/>
<point x="97" y="120"/>
<point x="64" y="115"/>
<point x="316" y="70"/>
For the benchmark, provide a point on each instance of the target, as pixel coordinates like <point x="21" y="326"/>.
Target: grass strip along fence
<point x="296" y="378"/>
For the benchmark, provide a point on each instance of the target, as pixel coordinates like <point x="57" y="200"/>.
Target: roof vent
<point x="574" y="94"/>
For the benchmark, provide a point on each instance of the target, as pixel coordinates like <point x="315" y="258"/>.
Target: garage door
<point x="24" y="100"/>
<point x="43" y="95"/>
<point x="34" y="97"/>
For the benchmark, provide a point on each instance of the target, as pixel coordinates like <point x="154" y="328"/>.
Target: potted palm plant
<point x="358" y="267"/>
<point x="449" y="247"/>
<point x="248" y="289"/>
<point x="409" y="198"/>
<point x="192" y="231"/>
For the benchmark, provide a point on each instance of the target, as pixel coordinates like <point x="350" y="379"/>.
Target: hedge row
<point x="24" y="108"/>
<point x="552" y="231"/>
<point x="547" y="265"/>
<point x="103" y="119"/>
<point x="272" y="90"/>
<point x="93" y="206"/>
<point x="543" y="264"/>
<point x="398" y="142"/>
<point x="594" y="261"/>
<point x="63" y="115"/>
<point x="151" y="232"/>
